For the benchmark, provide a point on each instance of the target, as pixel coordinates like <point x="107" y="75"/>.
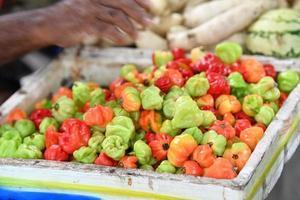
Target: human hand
<point x="73" y="21"/>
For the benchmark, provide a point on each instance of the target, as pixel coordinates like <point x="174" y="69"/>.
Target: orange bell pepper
<point x="223" y="128"/>
<point x="181" y="147"/>
<point x="204" y="155"/>
<point x="118" y="90"/>
<point x="128" y="162"/>
<point x="229" y="117"/>
<point x="252" y="70"/>
<point x="15" y="115"/>
<point x="206" y="100"/>
<point x="228" y="103"/>
<point x="131" y="100"/>
<point x="98" y="116"/>
<point x="63" y="91"/>
<point x="261" y="125"/>
<point x="160" y="146"/>
<point x="150" y="120"/>
<point x="238" y="154"/>
<point x="221" y="169"/>
<point x="251" y="136"/>
<point x="175" y="76"/>
<point x="191" y="167"/>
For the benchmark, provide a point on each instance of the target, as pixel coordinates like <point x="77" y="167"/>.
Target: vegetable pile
<point x="201" y="115"/>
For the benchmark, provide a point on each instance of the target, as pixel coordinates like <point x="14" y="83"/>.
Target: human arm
<point x="68" y="23"/>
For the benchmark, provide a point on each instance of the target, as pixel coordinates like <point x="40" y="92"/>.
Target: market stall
<point x="186" y="123"/>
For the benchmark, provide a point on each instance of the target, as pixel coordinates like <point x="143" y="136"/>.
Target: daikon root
<point x="149" y="40"/>
<point x="176" y="5"/>
<point x="176" y="29"/>
<point x="222" y="26"/>
<point x="296" y="4"/>
<point x="158" y="7"/>
<point x="239" y="38"/>
<point x="283" y="3"/>
<point x="163" y="24"/>
<point x="191" y="4"/>
<point x="206" y="11"/>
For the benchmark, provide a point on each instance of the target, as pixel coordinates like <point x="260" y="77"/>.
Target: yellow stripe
<point x="285" y="140"/>
<point x="16" y="182"/>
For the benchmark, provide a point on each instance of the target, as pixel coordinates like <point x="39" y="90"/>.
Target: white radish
<point x="176" y="5"/>
<point x="163" y="24"/>
<point x="176" y="29"/>
<point x="149" y="40"/>
<point x="158" y="7"/>
<point x="192" y="4"/>
<point x="296" y="4"/>
<point x="204" y="12"/>
<point x="220" y="27"/>
<point x="283" y="3"/>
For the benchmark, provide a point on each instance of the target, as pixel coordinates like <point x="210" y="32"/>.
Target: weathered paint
<point x="103" y="66"/>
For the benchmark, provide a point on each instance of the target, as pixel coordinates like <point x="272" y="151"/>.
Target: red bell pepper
<point x="128" y="162"/>
<point x="178" y="53"/>
<point x="241" y="125"/>
<point x="55" y="152"/>
<point x="51" y="136"/>
<point x="38" y="115"/>
<point x="160" y="145"/>
<point x="223" y="128"/>
<point x="75" y="135"/>
<point x="270" y="70"/>
<point x="218" y="85"/>
<point x="103" y="159"/>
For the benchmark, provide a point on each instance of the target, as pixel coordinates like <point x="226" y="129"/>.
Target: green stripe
<point x="16" y="182"/>
<point x="282" y="145"/>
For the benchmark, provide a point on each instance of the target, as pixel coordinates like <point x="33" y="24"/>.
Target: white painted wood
<point x="103" y="66"/>
<point x="274" y="175"/>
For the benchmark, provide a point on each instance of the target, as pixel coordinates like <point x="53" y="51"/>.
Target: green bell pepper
<point x="63" y="109"/>
<point x="97" y="97"/>
<point x="151" y="98"/>
<point x="217" y="142"/>
<point x="28" y="152"/>
<point x="168" y="128"/>
<point x="85" y="155"/>
<point x="229" y="52"/>
<point x="8" y="148"/>
<point x="25" y="127"/>
<point x="161" y="58"/>
<point x="195" y="132"/>
<point x="142" y="152"/>
<point x="265" y="115"/>
<point x="197" y="86"/>
<point x="121" y="126"/>
<point x="95" y="142"/>
<point x="166" y="167"/>
<point x="187" y="114"/>
<point x="5" y="127"/>
<point x="46" y="123"/>
<point x="81" y="93"/>
<point x="252" y="104"/>
<point x="209" y="118"/>
<point x="114" y="146"/>
<point x="37" y="140"/>
<point x="288" y="80"/>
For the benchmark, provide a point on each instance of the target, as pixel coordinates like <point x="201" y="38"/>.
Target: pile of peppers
<point x="201" y="115"/>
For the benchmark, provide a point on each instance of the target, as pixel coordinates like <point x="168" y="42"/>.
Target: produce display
<point x="276" y="34"/>
<point x="267" y="27"/>
<point x="201" y="115"/>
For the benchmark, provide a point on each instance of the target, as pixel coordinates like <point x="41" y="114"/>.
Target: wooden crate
<point x="255" y="181"/>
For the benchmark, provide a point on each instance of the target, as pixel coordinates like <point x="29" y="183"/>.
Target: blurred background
<point x="11" y="75"/>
